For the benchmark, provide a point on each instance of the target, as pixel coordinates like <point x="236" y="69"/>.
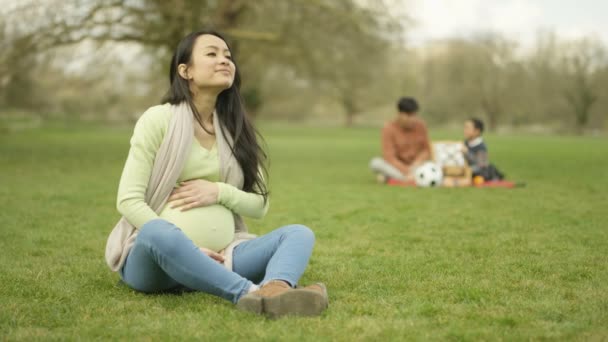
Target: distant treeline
<point x="322" y="60"/>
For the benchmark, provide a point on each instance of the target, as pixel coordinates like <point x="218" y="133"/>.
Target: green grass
<point x="400" y="263"/>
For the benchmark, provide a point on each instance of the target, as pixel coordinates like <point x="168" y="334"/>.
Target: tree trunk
<point x="581" y="100"/>
<point x="350" y="119"/>
<point x="492" y="111"/>
<point x="351" y="110"/>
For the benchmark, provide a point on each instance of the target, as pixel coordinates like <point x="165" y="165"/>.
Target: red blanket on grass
<point x="487" y="184"/>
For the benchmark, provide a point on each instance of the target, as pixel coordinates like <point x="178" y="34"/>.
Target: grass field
<point x="415" y="264"/>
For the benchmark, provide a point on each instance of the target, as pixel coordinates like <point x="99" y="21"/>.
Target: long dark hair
<point x="230" y="112"/>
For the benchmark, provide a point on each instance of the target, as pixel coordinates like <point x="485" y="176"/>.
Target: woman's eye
<point x="211" y="54"/>
<point x="229" y="57"/>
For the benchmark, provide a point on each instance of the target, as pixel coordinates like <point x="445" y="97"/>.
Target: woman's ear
<point x="182" y="70"/>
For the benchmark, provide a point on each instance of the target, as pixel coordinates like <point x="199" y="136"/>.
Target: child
<point x="476" y="152"/>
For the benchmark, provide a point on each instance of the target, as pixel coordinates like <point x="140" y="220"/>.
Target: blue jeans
<point x="164" y="258"/>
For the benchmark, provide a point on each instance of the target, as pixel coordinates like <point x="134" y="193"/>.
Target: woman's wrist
<point x="223" y="191"/>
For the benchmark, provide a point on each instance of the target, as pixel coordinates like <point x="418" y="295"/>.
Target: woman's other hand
<point x="194" y="193"/>
<point x="213" y="255"/>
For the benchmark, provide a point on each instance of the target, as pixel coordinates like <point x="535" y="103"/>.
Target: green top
<point x="212" y="226"/>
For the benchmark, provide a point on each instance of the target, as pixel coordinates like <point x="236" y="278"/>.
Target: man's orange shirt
<point x="403" y="147"/>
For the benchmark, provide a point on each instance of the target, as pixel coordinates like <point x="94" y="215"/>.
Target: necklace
<point x="210" y="132"/>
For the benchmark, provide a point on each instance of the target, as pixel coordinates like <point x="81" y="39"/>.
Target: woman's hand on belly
<point x="215" y="256"/>
<point x="194" y="193"/>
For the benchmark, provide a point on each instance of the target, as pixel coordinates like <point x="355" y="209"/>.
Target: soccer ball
<point x="428" y="174"/>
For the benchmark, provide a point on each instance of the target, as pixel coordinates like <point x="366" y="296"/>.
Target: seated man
<point x="405" y="144"/>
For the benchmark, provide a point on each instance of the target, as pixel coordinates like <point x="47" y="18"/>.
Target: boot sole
<point x="298" y="302"/>
<point x="251" y="304"/>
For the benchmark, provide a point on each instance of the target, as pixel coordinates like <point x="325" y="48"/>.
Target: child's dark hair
<point x="478" y="124"/>
<point x="407" y="105"/>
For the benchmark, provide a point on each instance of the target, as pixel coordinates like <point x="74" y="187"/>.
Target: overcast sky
<point x="519" y="19"/>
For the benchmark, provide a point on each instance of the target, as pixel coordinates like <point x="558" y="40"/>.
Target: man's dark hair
<point x="407" y="105"/>
<point x="478" y="124"/>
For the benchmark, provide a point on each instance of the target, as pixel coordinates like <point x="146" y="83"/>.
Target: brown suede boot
<point x="254" y="301"/>
<point x="320" y="288"/>
<point x="276" y="299"/>
<point x="302" y="301"/>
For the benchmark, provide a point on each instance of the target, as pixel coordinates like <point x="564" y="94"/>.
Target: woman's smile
<point x="225" y="72"/>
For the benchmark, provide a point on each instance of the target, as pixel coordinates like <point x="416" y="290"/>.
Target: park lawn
<point x="400" y="263"/>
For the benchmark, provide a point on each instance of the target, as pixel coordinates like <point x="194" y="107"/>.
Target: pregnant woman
<point x="194" y="167"/>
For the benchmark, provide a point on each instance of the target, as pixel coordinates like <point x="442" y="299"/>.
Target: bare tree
<point x="302" y="35"/>
<point x="475" y="76"/>
<point x="582" y="63"/>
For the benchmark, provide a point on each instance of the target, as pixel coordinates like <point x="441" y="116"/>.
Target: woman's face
<point x="211" y="64"/>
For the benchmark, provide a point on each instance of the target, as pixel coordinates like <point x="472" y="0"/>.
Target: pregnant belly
<point x="210" y="227"/>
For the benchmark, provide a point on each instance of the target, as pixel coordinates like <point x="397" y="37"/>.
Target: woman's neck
<point x="204" y="102"/>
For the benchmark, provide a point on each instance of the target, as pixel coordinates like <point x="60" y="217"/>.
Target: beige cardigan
<point x="168" y="164"/>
